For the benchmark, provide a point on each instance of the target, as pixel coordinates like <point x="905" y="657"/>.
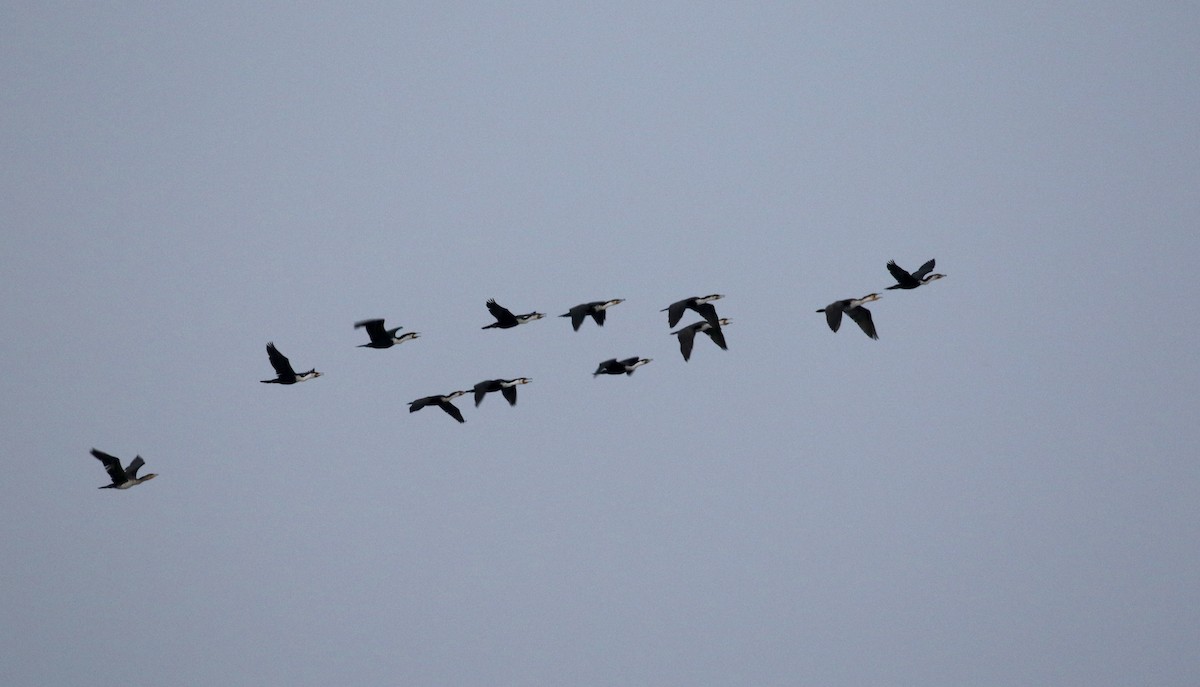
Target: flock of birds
<point x="711" y="325"/>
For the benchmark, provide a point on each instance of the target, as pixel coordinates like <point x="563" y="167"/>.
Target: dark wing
<point x="502" y="314"/>
<point x="452" y="410"/>
<point x="687" y="338"/>
<point x="925" y="269"/>
<point x="717" y="336"/>
<point x="279" y="361"/>
<point x="375" y="329"/>
<point x="903" y="278"/>
<point x="862" y="317"/>
<point x="598" y="316"/>
<point x="510" y="394"/>
<point x="833" y="315"/>
<point x="112" y="465"/>
<point x="481" y="390"/>
<point x="709" y="312"/>
<point x="577" y="314"/>
<point x="675" y="311"/>
<point x="419" y="404"/>
<point x="134" y="465"/>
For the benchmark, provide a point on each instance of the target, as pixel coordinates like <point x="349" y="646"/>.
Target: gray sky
<point x="1002" y="490"/>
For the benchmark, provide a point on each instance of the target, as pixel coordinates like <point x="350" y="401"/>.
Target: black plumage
<point x="702" y="305"/>
<point x="904" y="280"/>
<point x="853" y="308"/>
<point x="504" y="317"/>
<point x="442" y="401"/>
<point x="283" y="369"/>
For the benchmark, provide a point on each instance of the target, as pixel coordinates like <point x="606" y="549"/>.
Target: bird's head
<point x="724" y="321"/>
<point x="614" y="301"/>
<point x="932" y="277"/>
<point x="146" y="478"/>
<point x="870" y="297"/>
<point x="710" y="298"/>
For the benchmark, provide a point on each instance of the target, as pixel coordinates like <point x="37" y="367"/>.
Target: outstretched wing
<point x="675" y="312"/>
<point x="452" y="410"/>
<point x="717" y="336"/>
<point x="134" y="465"/>
<point x="833" y="315"/>
<point x="687" y="338"/>
<point x="375" y="329"/>
<point x="925" y="269"/>
<point x="510" y="394"/>
<point x="481" y="390"/>
<point x="709" y="312"/>
<point x="598" y="316"/>
<point x="862" y="317"/>
<point x="899" y="273"/>
<point x="112" y="465"/>
<point x="279" y="361"/>
<point x="502" y="314"/>
<point x="578" y="313"/>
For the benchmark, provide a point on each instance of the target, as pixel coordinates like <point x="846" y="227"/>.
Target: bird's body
<point x="612" y="366"/>
<point x="381" y="337"/>
<point x="904" y="280"/>
<point x="122" y="478"/>
<point x="596" y="309"/>
<point x="505" y="319"/>
<point x="283" y="369"/>
<point x="701" y="304"/>
<point x="442" y="401"/>
<point x="853" y="308"/>
<point x="687" y="335"/>
<point x="507" y="387"/>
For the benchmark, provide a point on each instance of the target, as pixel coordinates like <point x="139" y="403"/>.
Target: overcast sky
<point x="1002" y="490"/>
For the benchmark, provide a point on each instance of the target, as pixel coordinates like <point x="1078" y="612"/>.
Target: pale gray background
<point x="1002" y="490"/>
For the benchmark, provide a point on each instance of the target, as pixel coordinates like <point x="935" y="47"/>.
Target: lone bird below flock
<point x="612" y="366"/>
<point x="701" y="304"/>
<point x="596" y="309"/>
<point x="853" y="308"/>
<point x="283" y="368"/>
<point x="507" y="387"/>
<point x="442" y="401"/>
<point x="505" y="319"/>
<point x="911" y="281"/>
<point x="122" y="478"/>
<point x="383" y="338"/>
<point x="687" y="335"/>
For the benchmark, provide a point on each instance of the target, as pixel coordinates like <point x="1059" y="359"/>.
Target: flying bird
<point x="701" y="304"/>
<point x="122" y="478"/>
<point x="441" y="401"/>
<point x="596" y="309"/>
<point x="505" y="319"/>
<point x="507" y="387"/>
<point x="283" y="368"/>
<point x="383" y="338"/>
<point x="687" y="335"/>
<point x="904" y="280"/>
<point x="612" y="366"/>
<point x="854" y="308"/>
